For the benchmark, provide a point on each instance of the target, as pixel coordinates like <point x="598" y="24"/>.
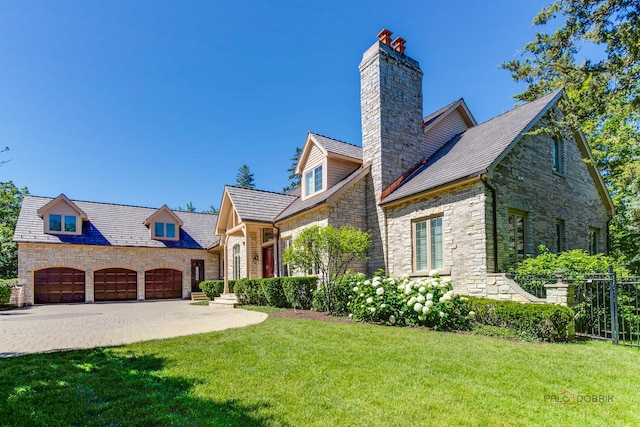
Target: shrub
<point x="213" y="288"/>
<point x="5" y="291"/>
<point x="253" y="293"/>
<point x="273" y="292"/>
<point x="238" y="290"/>
<point x="544" y="322"/>
<point x="299" y="290"/>
<point x="338" y="292"/>
<point x="427" y="302"/>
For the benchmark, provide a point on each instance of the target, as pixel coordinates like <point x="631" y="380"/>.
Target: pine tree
<point x="294" y="178"/>
<point x="244" y="178"/>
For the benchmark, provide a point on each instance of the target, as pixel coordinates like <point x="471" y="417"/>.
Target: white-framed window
<point x="164" y="230"/>
<point x="428" y="244"/>
<point x="286" y="268"/>
<point x="557" y="151"/>
<point x="561" y="241"/>
<point x="313" y="181"/>
<point x="63" y="223"/>
<point x="236" y="262"/>
<point x="594" y="238"/>
<point x="517" y="239"/>
<point x="267" y="235"/>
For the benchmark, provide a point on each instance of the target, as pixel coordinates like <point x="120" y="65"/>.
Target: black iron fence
<point x="606" y="305"/>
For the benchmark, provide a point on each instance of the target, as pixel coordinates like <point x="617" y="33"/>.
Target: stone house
<point x="438" y="193"/>
<point x="75" y="251"/>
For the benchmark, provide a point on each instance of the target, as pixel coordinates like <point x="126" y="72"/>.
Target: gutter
<point x="494" y="208"/>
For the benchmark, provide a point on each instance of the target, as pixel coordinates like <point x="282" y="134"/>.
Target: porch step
<point x="199" y="296"/>
<point x="224" y="301"/>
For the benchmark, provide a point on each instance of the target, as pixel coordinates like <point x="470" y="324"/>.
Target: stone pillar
<point x="562" y="293"/>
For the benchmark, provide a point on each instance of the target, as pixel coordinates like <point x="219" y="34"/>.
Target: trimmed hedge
<point x="213" y="288"/>
<point x="5" y="293"/>
<point x="545" y="322"/>
<point x="283" y="292"/>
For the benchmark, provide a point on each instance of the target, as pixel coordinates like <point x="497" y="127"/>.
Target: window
<point x="517" y="240"/>
<point x="561" y="244"/>
<point x="236" y="262"/>
<point x="427" y="238"/>
<point x="286" y="269"/>
<point x="56" y="221"/>
<point x="594" y="237"/>
<point x="313" y="181"/>
<point x="164" y="230"/>
<point x="267" y="234"/>
<point x="557" y="150"/>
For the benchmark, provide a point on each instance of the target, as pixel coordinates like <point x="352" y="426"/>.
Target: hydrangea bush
<point x="400" y="301"/>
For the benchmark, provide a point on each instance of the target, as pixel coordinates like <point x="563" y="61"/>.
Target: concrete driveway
<point x="44" y="328"/>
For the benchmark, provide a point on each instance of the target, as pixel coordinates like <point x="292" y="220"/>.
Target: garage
<point x="115" y="284"/>
<point x="162" y="283"/>
<point x="58" y="285"/>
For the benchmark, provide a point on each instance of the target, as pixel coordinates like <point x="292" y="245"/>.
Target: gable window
<point x="236" y="262"/>
<point x="517" y="240"/>
<point x="594" y="237"/>
<point x="313" y="181"/>
<point x="427" y="240"/>
<point x="164" y="230"/>
<point x="561" y="243"/>
<point x="56" y="223"/>
<point x="557" y="151"/>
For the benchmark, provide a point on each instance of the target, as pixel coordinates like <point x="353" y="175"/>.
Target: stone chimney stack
<point x="391" y="108"/>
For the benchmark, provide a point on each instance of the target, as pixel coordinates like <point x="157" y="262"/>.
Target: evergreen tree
<point x="294" y="178"/>
<point x="244" y="178"/>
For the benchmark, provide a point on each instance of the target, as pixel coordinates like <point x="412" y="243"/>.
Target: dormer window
<point x="56" y="223"/>
<point x="164" y="230"/>
<point x="62" y="216"/>
<point x="164" y="224"/>
<point x="313" y="181"/>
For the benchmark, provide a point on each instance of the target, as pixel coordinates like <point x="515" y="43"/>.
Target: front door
<point x="267" y="261"/>
<point x="197" y="274"/>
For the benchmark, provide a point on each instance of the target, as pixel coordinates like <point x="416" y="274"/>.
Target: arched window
<point x="236" y="262"/>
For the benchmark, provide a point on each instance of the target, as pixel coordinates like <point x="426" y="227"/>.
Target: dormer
<point x="62" y="216"/>
<point x="164" y="225"/>
<point x="441" y="126"/>
<point x="324" y="162"/>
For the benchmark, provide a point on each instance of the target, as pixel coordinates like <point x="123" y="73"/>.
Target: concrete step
<point x="224" y="301"/>
<point x="199" y="296"/>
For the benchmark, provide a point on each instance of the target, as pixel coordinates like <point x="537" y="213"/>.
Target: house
<point x="75" y="251"/>
<point x="439" y="192"/>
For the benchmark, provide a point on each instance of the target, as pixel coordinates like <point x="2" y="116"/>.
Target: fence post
<point x="613" y="305"/>
<point x="562" y="293"/>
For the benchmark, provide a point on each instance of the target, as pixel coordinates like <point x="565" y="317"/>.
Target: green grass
<point x="297" y="372"/>
<point x="200" y="303"/>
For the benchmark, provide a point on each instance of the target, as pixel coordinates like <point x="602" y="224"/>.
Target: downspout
<point x="494" y="212"/>
<point x="277" y="249"/>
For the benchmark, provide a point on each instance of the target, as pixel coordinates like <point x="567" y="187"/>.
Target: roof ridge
<point x="554" y="93"/>
<point x="259" y="190"/>
<point x="337" y="140"/>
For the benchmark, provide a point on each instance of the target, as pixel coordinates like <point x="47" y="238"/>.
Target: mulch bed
<point x="310" y="315"/>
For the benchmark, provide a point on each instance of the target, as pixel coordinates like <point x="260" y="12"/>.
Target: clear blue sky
<point x="154" y="102"/>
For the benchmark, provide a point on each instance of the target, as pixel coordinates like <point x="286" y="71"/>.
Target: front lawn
<point x="299" y="372"/>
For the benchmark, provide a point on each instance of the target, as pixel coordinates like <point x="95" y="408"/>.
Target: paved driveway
<point x="70" y="326"/>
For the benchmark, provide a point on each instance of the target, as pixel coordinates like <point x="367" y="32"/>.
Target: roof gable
<point x="253" y="205"/>
<point x="330" y="148"/>
<point x="57" y="202"/>
<point x="163" y="213"/>
<point x="441" y="114"/>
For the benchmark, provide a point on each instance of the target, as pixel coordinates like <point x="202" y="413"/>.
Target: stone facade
<point x="32" y="257"/>
<point x="526" y="183"/>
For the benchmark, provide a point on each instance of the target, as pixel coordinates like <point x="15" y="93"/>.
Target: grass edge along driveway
<point x="299" y="372"/>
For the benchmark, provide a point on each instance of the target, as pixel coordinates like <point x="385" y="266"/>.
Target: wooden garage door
<point x="162" y="283"/>
<point x="115" y="284"/>
<point x="58" y="284"/>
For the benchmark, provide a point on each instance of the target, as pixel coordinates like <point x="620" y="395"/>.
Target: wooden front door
<point x="197" y="274"/>
<point x="267" y="261"/>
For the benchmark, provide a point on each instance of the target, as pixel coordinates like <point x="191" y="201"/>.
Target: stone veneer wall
<point x="35" y="256"/>
<point x="463" y="232"/>
<point x="524" y="180"/>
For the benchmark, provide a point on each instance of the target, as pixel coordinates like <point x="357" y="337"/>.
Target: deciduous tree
<point x="10" y="203"/>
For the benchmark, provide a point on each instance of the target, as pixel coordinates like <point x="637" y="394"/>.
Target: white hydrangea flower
<point x="367" y="282"/>
<point x="442" y="299"/>
<point x="383" y="305"/>
<point x="369" y="300"/>
<point x="401" y="313"/>
<point x="380" y="290"/>
<point x="422" y="289"/>
<point x="429" y="303"/>
<point x="362" y="294"/>
<point x="421" y="298"/>
<point x="350" y="314"/>
<point x="425" y="309"/>
<point x="407" y="289"/>
<point x="372" y="309"/>
<point x="392" y="319"/>
<point x="405" y="276"/>
<point x="355" y="289"/>
<point x="429" y="297"/>
<point x="348" y="304"/>
<point x="446" y="279"/>
<point x="412" y="301"/>
<point x="422" y="318"/>
<point x="472" y="314"/>
<point x="401" y="287"/>
<point x="417" y="307"/>
<point x="433" y="273"/>
<point x="442" y="314"/>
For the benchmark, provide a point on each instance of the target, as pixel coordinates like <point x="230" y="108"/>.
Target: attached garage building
<point x="72" y="251"/>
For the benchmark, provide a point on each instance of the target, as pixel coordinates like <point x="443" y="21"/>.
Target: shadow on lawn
<point x="109" y="387"/>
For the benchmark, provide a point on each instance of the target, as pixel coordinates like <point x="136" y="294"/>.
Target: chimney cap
<point x="385" y="36"/>
<point x="398" y="44"/>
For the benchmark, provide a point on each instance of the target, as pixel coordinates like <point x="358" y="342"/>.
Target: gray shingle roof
<point x="474" y="151"/>
<point x="258" y="205"/>
<point x="338" y="147"/>
<point x="300" y="205"/>
<point x="115" y="225"/>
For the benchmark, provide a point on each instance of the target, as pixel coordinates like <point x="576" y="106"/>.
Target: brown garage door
<point x="58" y="285"/>
<point x="162" y="283"/>
<point x="115" y="284"/>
